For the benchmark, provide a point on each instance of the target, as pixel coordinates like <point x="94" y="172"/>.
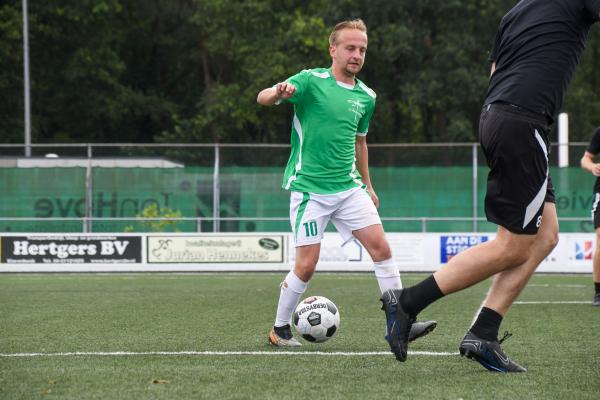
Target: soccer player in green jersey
<point x="328" y="170"/>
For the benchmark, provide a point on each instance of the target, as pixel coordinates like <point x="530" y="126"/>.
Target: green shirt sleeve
<point x="363" y="124"/>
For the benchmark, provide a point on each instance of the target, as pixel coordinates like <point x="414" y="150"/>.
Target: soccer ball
<point x="316" y="319"/>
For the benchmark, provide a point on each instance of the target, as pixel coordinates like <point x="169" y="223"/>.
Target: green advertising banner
<point x="50" y="194"/>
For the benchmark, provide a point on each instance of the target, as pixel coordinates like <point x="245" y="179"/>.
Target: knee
<point x="304" y="275"/>
<point x="304" y="269"/>
<point x="552" y="241"/>
<point x="548" y="240"/>
<point x="380" y="252"/>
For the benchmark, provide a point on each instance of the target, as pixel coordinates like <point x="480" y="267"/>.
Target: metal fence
<point x="213" y="159"/>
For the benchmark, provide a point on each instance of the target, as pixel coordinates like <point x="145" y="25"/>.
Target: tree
<point x="11" y="74"/>
<point x="189" y="70"/>
<point x="582" y="102"/>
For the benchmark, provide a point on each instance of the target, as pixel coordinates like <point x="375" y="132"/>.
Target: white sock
<point x="291" y="289"/>
<point x="388" y="276"/>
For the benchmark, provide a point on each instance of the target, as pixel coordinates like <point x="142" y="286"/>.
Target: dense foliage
<point x="189" y="70"/>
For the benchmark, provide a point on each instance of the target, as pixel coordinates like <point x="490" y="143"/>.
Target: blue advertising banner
<point x="451" y="245"/>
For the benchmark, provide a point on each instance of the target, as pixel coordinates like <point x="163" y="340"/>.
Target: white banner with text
<point x="125" y="252"/>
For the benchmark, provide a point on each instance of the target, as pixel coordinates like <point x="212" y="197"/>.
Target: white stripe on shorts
<point x="538" y="200"/>
<point x="595" y="205"/>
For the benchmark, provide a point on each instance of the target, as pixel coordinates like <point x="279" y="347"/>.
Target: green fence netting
<point x="421" y="193"/>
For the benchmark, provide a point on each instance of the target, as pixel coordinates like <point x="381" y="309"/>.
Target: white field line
<point x="552" y="302"/>
<point x="224" y="353"/>
<point x="556" y="285"/>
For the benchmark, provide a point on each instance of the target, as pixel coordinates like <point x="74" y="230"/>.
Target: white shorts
<point x="349" y="211"/>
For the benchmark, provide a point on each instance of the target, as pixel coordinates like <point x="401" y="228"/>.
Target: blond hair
<point x="350" y="24"/>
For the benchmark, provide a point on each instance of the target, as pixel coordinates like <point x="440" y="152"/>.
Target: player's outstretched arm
<point x="272" y="95"/>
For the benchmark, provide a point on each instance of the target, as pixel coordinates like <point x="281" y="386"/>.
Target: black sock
<point x="597" y="286"/>
<point x="417" y="297"/>
<point x="487" y="324"/>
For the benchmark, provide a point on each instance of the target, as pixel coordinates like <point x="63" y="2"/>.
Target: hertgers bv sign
<point x="215" y="249"/>
<point x="70" y="249"/>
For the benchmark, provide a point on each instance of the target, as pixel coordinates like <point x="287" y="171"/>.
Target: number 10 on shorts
<point x="310" y="228"/>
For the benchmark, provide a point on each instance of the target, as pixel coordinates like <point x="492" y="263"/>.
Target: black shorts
<point x="516" y="145"/>
<point x="596" y="210"/>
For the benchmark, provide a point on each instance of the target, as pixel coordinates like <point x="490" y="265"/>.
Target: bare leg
<point x="306" y="261"/>
<point x="373" y="239"/>
<point x="596" y="272"/>
<point x="507" y="250"/>
<point x="508" y="284"/>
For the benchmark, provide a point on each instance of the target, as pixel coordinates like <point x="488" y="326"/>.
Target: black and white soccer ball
<point x="316" y="319"/>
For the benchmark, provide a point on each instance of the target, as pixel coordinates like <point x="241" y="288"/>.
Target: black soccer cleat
<point x="596" y="301"/>
<point x="281" y="336"/>
<point x="488" y="353"/>
<point x="398" y="323"/>
<point x="420" y="329"/>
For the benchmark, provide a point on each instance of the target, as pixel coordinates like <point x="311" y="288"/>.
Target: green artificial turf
<point x="53" y="314"/>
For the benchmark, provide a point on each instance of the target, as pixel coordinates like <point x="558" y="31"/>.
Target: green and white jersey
<point x="327" y="117"/>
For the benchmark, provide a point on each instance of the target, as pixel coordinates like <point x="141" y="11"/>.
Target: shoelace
<point x="506" y="335"/>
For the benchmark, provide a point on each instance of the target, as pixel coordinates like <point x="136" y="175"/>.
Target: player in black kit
<point x="537" y="46"/>
<point x="587" y="163"/>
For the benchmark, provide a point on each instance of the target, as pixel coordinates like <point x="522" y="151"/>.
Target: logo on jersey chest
<point x="357" y="108"/>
